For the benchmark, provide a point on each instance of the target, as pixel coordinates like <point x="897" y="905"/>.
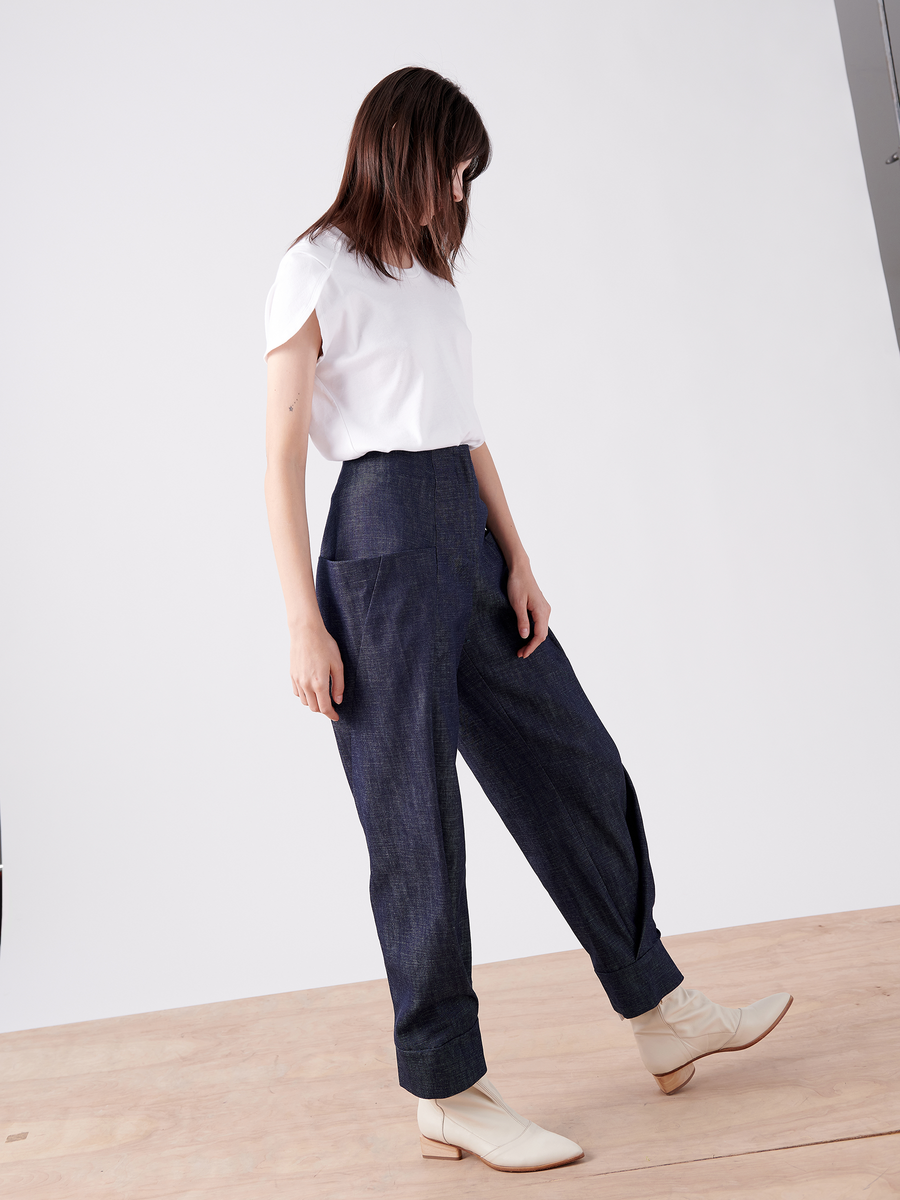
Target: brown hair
<point x="411" y="132"/>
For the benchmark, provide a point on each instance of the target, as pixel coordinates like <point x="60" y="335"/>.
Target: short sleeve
<point x="293" y="296"/>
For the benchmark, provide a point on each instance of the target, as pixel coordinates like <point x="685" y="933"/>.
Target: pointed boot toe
<point x="758" y="1019"/>
<point x="480" y="1121"/>
<point x="535" y="1149"/>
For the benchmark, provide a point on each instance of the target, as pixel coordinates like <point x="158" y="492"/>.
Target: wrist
<point x="302" y="624"/>
<point x="510" y="547"/>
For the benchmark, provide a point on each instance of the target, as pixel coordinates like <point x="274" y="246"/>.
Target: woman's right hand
<point x="316" y="660"/>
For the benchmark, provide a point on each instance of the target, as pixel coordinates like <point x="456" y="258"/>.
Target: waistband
<point x="412" y="456"/>
<point x="389" y="501"/>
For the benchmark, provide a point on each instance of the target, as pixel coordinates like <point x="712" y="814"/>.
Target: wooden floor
<point x="295" y="1095"/>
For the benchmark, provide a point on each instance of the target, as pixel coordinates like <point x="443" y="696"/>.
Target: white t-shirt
<point x="396" y="365"/>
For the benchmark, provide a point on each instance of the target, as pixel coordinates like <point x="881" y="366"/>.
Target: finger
<point x="337" y="681"/>
<point x="541" y="629"/>
<point x="324" y="705"/>
<point x="295" y="686"/>
<point x="532" y="646"/>
<point x="521" y="610"/>
<point x="298" y="691"/>
<point x="312" y="699"/>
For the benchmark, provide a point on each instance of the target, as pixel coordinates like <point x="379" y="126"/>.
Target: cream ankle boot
<point x="685" y="1026"/>
<point x="480" y="1121"/>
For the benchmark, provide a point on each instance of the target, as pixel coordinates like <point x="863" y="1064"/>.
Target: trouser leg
<point x="553" y="773"/>
<point x="399" y="619"/>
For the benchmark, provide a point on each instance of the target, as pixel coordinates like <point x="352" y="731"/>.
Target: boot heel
<point x="675" y="1079"/>
<point x="432" y="1149"/>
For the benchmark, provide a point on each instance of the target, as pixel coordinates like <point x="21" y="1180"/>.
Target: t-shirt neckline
<point x="405" y="272"/>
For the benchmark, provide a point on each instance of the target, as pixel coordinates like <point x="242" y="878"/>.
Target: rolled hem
<point x="636" y="989"/>
<point x="444" y="1071"/>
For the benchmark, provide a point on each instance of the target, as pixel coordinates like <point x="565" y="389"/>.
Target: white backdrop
<point x="689" y="378"/>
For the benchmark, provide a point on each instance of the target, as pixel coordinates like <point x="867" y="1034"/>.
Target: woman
<point x="425" y="631"/>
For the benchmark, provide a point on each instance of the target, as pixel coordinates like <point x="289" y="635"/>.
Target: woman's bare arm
<point x="315" y="658"/>
<point x="524" y="594"/>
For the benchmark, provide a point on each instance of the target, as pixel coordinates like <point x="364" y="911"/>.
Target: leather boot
<point x="685" y="1026"/>
<point x="479" y="1120"/>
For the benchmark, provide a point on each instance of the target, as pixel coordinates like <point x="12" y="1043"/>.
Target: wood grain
<point x="296" y="1094"/>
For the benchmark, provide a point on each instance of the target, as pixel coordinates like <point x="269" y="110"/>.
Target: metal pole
<point x="892" y="72"/>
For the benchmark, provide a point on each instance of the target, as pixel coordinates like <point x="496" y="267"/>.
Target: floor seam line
<point x="683" y="1162"/>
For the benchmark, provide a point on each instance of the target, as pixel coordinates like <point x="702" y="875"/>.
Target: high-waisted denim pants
<point x="413" y="589"/>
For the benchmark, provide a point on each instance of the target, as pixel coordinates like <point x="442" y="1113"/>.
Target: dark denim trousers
<point x="413" y="589"/>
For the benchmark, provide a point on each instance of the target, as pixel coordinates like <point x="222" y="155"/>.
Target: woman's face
<point x="457" y="180"/>
<point x="456" y="185"/>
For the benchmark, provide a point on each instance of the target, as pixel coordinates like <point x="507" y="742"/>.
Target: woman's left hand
<point x="528" y="600"/>
<point x="524" y="594"/>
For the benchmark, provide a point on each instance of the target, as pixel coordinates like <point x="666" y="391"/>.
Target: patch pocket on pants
<point x="396" y="588"/>
<point x="344" y="591"/>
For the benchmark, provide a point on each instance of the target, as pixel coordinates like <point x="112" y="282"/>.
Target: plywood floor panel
<point x="296" y="1094"/>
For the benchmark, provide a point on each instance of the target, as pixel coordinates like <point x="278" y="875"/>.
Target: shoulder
<point x="300" y="282"/>
<point x="311" y="257"/>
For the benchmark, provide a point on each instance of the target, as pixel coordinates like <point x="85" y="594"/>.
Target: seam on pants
<point x="540" y="766"/>
<point x="365" y="620"/>
<point x="443" y="1045"/>
<point x="639" y="959"/>
<point x="434" y="536"/>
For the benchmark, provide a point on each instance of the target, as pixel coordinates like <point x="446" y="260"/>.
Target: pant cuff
<point x="445" y="1070"/>
<point x="636" y="989"/>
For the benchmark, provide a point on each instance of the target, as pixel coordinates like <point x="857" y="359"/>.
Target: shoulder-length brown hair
<point x="413" y="129"/>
